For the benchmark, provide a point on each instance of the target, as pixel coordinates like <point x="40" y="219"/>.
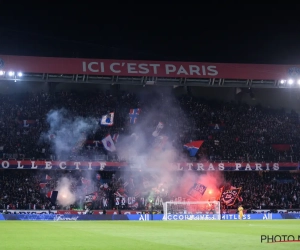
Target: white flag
<point x="109" y="144"/>
<point x="108" y="120"/>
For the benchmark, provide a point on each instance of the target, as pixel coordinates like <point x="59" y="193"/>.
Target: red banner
<point x="147" y="68"/>
<point x="183" y="166"/>
<point x="281" y="147"/>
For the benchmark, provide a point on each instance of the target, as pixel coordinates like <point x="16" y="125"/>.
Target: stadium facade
<point x="102" y="72"/>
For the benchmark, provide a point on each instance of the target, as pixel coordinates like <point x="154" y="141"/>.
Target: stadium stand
<point x="23" y="190"/>
<point x="233" y="132"/>
<point x="245" y="133"/>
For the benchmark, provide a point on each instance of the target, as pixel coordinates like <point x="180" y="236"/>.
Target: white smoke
<point x="66" y="131"/>
<point x="149" y="145"/>
<point x="65" y="196"/>
<point x="142" y="144"/>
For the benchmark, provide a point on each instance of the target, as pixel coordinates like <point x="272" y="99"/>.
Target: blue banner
<point x="146" y="217"/>
<point x="252" y="216"/>
<point x="291" y="216"/>
<point x="264" y="216"/>
<point x="62" y="217"/>
<point x="193" y="217"/>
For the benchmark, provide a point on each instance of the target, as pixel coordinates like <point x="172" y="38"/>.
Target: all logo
<point x="144" y="217"/>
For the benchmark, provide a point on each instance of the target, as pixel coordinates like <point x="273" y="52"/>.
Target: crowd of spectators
<point x="110" y="190"/>
<point x="231" y="131"/>
<point x="267" y="190"/>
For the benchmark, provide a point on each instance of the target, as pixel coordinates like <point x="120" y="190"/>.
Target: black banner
<point x="228" y="197"/>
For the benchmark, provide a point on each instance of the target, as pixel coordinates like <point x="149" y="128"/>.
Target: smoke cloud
<point x="153" y="147"/>
<point x="210" y="180"/>
<point x="65" y="196"/>
<point x="67" y="132"/>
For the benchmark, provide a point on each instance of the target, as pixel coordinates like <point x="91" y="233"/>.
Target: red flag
<point x="49" y="194"/>
<point x="43" y="185"/>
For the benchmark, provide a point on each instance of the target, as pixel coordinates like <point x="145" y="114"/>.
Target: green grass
<point x="137" y="235"/>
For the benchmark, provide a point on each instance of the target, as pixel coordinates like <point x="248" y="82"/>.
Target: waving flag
<point x="48" y="178"/>
<point x="193" y="147"/>
<point x="52" y="196"/>
<point x="109" y="144"/>
<point x="133" y="114"/>
<point x="197" y="190"/>
<point x="228" y="197"/>
<point x="42" y="185"/>
<point x="108" y="120"/>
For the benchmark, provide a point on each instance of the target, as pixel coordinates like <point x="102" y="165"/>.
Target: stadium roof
<point x="103" y="71"/>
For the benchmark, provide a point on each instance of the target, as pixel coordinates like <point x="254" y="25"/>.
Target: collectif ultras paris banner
<point x="112" y="166"/>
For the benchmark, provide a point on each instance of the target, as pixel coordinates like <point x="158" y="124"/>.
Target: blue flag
<point x="193" y="147"/>
<point x="133" y="114"/>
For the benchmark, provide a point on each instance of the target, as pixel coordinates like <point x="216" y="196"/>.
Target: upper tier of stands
<point x="246" y="133"/>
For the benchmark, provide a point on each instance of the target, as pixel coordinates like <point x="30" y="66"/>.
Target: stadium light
<point x="1" y="73"/>
<point x="11" y="73"/>
<point x="290" y="81"/>
<point x="282" y="81"/>
<point x="299" y="81"/>
<point x="20" y="74"/>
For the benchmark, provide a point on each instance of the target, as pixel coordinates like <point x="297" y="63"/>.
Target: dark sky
<point x="247" y="33"/>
